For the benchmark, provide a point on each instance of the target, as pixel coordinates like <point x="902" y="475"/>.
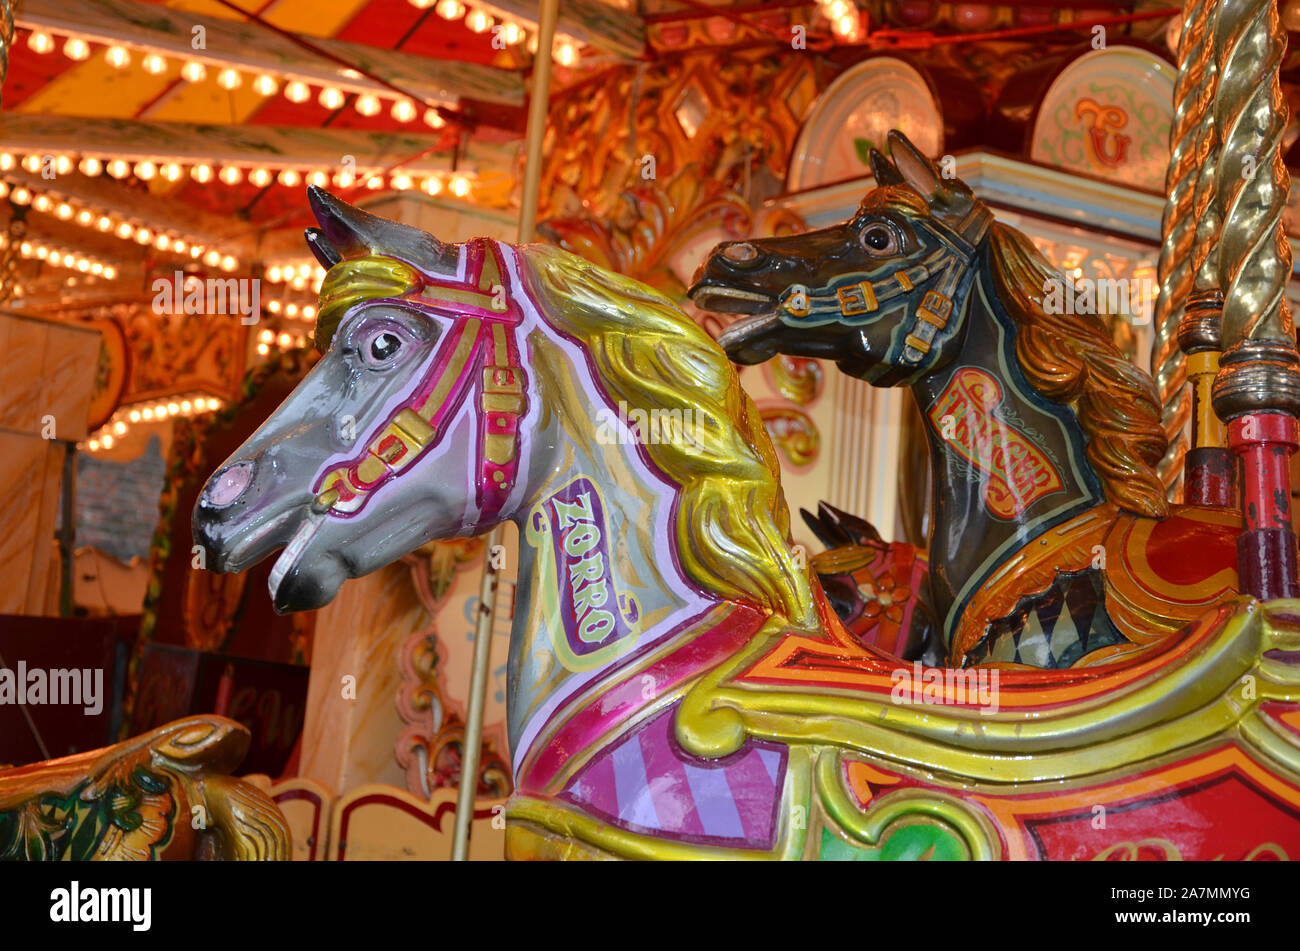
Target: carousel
<point x="651" y="429"/>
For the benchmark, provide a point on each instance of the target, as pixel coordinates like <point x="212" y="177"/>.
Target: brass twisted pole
<point x="1209" y="470"/>
<point x="1178" y="229"/>
<point x="1257" y="389"/>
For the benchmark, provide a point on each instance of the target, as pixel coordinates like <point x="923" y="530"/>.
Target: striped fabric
<point x="645" y="782"/>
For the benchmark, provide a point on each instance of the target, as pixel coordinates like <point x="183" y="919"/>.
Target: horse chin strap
<point x="855" y="299"/>
<point x="481" y="346"/>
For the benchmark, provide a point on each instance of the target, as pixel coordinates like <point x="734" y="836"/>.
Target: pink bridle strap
<point x="481" y="346"/>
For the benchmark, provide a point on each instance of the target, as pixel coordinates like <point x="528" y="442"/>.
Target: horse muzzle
<point x="235" y="524"/>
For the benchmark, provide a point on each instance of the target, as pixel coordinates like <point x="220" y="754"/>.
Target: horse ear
<point x="347" y="232"/>
<point x="884" y="171"/>
<point x="918" y="170"/>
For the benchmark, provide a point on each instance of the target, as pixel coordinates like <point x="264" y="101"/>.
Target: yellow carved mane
<point x="732" y="522"/>
<point x="1071" y="359"/>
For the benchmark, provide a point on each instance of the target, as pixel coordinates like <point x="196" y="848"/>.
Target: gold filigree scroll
<point x="429" y="748"/>
<point x="735" y="117"/>
<point x="798" y="379"/>
<point x="793" y="431"/>
<point x="650" y="225"/>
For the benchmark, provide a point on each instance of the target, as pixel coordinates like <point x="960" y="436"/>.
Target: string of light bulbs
<point x="187" y="405"/>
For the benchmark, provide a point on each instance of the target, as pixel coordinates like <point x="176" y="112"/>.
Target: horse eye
<point x="384" y="345"/>
<point x="878" y="238"/>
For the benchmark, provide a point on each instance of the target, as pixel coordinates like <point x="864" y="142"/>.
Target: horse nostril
<point x="228" y="484"/>
<point x="742" y="253"/>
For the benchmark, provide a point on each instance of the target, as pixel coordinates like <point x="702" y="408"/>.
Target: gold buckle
<point x="934" y="309"/>
<point x="857" y="298"/>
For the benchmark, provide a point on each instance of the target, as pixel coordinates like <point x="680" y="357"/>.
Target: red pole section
<point x="1266" y="550"/>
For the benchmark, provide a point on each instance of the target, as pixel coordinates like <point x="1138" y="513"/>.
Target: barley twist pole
<point x="1257" y="390"/>
<point x="1178" y="228"/>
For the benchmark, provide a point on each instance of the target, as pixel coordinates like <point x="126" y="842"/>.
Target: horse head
<point x="883" y="294"/>
<point x="407" y="327"/>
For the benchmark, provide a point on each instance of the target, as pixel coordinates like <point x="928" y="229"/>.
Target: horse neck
<point x="1008" y="464"/>
<point x="599" y="577"/>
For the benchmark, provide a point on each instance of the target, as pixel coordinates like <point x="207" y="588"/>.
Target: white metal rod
<point x="469" y="756"/>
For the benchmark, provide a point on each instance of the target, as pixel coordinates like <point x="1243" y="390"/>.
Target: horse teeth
<point x="291" y="552"/>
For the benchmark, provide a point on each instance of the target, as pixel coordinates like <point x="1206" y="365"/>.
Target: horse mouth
<point x="289" y="556"/>
<point x="739" y="339"/>
<point x="724" y="299"/>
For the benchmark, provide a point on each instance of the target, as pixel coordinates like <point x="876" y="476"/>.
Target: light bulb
<point x="367" y="105"/>
<point x="231" y="175"/>
<point x="403" y="110"/>
<point x="260" y="177"/>
<point x="125" y="230"/>
<point x="401" y="182"/>
<point x="289" y="178"/>
<point x="40" y="42"/>
<point x="459" y="186"/>
<point x="42" y="203"/>
<point x="117" y="57"/>
<point x="64" y="212"/>
<point x="297" y="91"/>
<point x="90" y="166"/>
<point x="451" y="9"/>
<point x="229" y="79"/>
<point x="201" y="174"/>
<point x="566" y="54"/>
<point x="154" y="64"/>
<point x="433" y="118"/>
<point x="265" y="85"/>
<point x="104" y="223"/>
<point x="479" y="21"/>
<point x="145" y="170"/>
<point x="85" y="217"/>
<point x="194" y="72"/>
<point x="76" y="49"/>
<point x="118" y="168"/>
<point x="171" y="172"/>
<point x="331" y="98"/>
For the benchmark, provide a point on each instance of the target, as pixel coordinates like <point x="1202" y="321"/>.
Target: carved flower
<point x="885" y="600"/>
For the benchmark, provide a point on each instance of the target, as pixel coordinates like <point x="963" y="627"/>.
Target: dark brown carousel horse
<point x="1053" y="544"/>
